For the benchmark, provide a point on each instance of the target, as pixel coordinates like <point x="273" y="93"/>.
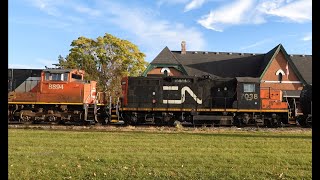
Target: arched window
<point x="165" y="71"/>
<point x="280" y="73"/>
<point x="280" y="77"/>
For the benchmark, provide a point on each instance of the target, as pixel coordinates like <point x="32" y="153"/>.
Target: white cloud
<point x="152" y="32"/>
<point x="307" y="37"/>
<point x="194" y="4"/>
<point x="252" y="12"/>
<point x="230" y="14"/>
<point x="149" y="31"/>
<point x="58" y="8"/>
<point x="297" y="11"/>
<point x="47" y="6"/>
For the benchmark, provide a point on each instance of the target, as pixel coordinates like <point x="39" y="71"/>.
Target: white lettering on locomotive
<point x="250" y="96"/>
<point x="55" y="86"/>
<point x="183" y="95"/>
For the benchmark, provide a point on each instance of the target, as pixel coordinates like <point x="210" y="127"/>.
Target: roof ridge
<point x="223" y="52"/>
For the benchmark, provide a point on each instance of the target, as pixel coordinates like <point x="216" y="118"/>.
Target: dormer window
<point x="165" y="71"/>
<point x="280" y="73"/>
<point x="280" y="77"/>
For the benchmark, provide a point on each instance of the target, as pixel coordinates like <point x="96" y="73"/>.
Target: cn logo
<point x="183" y="95"/>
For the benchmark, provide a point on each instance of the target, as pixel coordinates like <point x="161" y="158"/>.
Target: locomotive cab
<point x="248" y="93"/>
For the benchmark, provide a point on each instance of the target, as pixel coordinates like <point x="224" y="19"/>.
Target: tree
<point x="106" y="60"/>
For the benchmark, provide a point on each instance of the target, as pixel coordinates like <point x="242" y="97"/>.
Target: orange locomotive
<point x="58" y="95"/>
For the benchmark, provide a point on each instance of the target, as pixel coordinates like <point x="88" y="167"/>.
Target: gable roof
<point x="273" y="53"/>
<point x="165" y="57"/>
<point x="267" y="58"/>
<point x="229" y="64"/>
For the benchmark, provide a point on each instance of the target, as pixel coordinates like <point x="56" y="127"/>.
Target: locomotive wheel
<point x="25" y="118"/>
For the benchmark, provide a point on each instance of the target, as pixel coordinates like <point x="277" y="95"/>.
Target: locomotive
<point x="53" y="96"/>
<point x="201" y="100"/>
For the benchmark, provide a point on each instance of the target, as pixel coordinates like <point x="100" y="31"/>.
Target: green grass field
<point x="52" y="154"/>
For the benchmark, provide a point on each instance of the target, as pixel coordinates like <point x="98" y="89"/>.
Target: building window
<point x="280" y="73"/>
<point x="248" y="87"/>
<point x="280" y="77"/>
<point x="165" y="71"/>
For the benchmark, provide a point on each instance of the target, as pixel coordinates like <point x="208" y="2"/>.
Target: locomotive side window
<point x="248" y="87"/>
<point x="65" y="77"/>
<point x="76" y="76"/>
<point x="56" y="77"/>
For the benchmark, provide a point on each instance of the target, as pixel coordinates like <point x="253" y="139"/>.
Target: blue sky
<point x="41" y="30"/>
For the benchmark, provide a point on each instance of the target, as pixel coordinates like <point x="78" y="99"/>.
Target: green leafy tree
<point x="106" y="60"/>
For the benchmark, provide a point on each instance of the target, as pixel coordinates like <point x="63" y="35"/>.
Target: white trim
<point x="288" y="82"/>
<point x="280" y="71"/>
<point x="170" y="88"/>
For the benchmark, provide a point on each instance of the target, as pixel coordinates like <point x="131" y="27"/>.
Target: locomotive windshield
<point x="56" y="76"/>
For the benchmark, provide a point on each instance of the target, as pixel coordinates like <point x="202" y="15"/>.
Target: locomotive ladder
<point x="115" y="114"/>
<point x="90" y="113"/>
<point x="289" y="108"/>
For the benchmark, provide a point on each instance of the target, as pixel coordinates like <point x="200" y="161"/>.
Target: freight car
<point x="306" y="106"/>
<point x="52" y="96"/>
<point x="201" y="100"/>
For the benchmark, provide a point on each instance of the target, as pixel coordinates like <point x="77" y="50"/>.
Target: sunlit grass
<point x="48" y="154"/>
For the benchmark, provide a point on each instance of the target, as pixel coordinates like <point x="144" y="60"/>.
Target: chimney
<point x="183" y="47"/>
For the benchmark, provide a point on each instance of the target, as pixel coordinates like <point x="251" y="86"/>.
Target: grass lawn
<point x="57" y="154"/>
